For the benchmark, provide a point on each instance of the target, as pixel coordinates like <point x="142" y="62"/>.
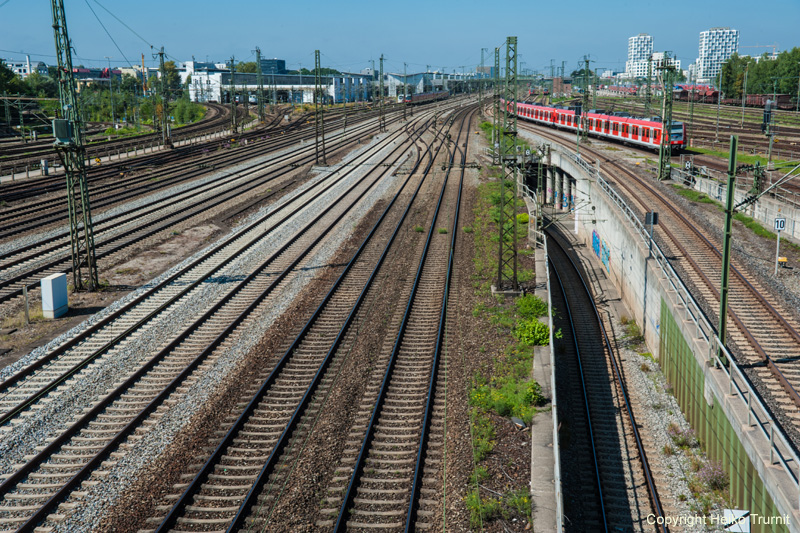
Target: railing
<point x="719" y="355"/>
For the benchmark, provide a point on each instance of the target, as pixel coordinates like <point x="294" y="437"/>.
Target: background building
<point x="716" y="46"/>
<point x="639" y="49"/>
<point x="273" y="66"/>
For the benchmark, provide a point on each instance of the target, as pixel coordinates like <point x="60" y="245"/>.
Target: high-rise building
<point x="640" y="47"/>
<point x="273" y="66"/>
<point x="716" y="46"/>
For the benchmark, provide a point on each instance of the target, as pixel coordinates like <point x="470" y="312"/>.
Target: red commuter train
<point x="629" y="130"/>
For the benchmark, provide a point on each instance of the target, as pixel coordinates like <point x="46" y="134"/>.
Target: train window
<point x="624" y="129"/>
<point x="645" y="133"/>
<point x="635" y="131"/>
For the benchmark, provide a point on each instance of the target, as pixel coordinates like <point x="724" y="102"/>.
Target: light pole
<point x="111" y="90"/>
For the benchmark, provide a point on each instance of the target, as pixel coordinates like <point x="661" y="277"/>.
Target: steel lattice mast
<point x="262" y="117"/>
<point x="232" y="92"/>
<point x="507" y="252"/>
<point x="319" y="120"/>
<point x="665" y="146"/>
<point x="68" y="132"/>
<point x="165" y="134"/>
<point x="496" y="129"/>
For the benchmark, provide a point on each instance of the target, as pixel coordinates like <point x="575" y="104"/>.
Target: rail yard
<point x="252" y="296"/>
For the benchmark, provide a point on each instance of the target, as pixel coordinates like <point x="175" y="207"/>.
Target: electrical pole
<point x="405" y="88"/>
<point x="232" y="93"/>
<point x="496" y="121"/>
<point x="7" y="109"/>
<point x="21" y="121"/>
<point x="111" y="91"/>
<point x="507" y="224"/>
<point x="480" y="79"/>
<point x="262" y="117"/>
<point x="647" y="95"/>
<point x="726" y="248"/>
<point x="319" y="120"/>
<point x="274" y="93"/>
<point x="382" y="121"/>
<point x="665" y="146"/>
<point x="770" y="122"/>
<point x="585" y="101"/>
<point x="744" y="92"/>
<point x="372" y="85"/>
<point x="693" y="81"/>
<point x="164" y="99"/>
<point x="68" y="132"/>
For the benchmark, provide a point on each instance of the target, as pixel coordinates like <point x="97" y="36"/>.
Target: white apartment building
<point x="716" y="46"/>
<point x="658" y="61"/>
<point x="640" y="47"/>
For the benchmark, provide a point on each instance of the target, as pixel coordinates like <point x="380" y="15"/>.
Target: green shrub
<point x="522" y="218"/>
<point x="443" y="230"/>
<point x="531" y="306"/>
<point x="419" y="229"/>
<point x="533" y="332"/>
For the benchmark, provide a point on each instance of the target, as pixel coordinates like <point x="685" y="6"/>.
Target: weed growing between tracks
<point x="503" y="387"/>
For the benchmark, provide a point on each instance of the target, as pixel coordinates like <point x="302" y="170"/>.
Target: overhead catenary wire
<point x="108" y="33"/>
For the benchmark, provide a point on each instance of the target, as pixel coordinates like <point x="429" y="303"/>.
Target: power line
<point x="4" y="3"/>
<point x="109" y="34"/>
<point x="121" y="22"/>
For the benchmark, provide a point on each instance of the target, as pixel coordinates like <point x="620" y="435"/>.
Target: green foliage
<point x="761" y="75"/>
<point x="751" y="224"/>
<point x="186" y="112"/>
<point x="443" y="230"/>
<point x="479" y="475"/>
<point x="248" y="67"/>
<point x="519" y="501"/>
<point x="522" y="218"/>
<point x="483" y="435"/>
<point x="481" y="509"/>
<point x="467" y="229"/>
<point x="530" y="306"/>
<point x="419" y="229"/>
<point x="533" y="332"/>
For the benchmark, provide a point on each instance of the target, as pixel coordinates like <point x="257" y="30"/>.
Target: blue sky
<point x="349" y="34"/>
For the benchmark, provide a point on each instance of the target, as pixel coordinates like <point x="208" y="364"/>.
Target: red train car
<point x="630" y="130"/>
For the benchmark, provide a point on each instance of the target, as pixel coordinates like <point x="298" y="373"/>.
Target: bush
<point x="533" y="394"/>
<point x="531" y="306"/>
<point x="533" y="333"/>
<point x="523" y="218"/>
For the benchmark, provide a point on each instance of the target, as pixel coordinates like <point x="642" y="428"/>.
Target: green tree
<point x="41" y="86"/>
<point x="247" y="67"/>
<point x="172" y="79"/>
<point x="9" y="82"/>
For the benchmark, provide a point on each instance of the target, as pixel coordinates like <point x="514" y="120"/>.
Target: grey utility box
<point x="54" y="295"/>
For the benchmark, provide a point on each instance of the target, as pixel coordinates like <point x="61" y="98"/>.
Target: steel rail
<point x="349" y="496"/>
<point x="75" y="480"/>
<point x="269" y="466"/>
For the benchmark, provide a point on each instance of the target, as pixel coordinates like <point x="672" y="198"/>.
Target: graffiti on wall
<point x="601" y="249"/>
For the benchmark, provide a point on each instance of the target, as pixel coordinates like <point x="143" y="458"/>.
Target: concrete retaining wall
<point x="732" y="423"/>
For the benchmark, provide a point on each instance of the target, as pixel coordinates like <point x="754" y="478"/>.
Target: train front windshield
<point x="676" y="134"/>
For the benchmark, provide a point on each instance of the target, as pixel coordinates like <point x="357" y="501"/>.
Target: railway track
<point x="26" y="264"/>
<point x="33" y="491"/>
<point x="395" y="458"/>
<point x="247" y="471"/>
<point x="762" y="333"/>
<point x="604" y="444"/>
<point x="20" y="154"/>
